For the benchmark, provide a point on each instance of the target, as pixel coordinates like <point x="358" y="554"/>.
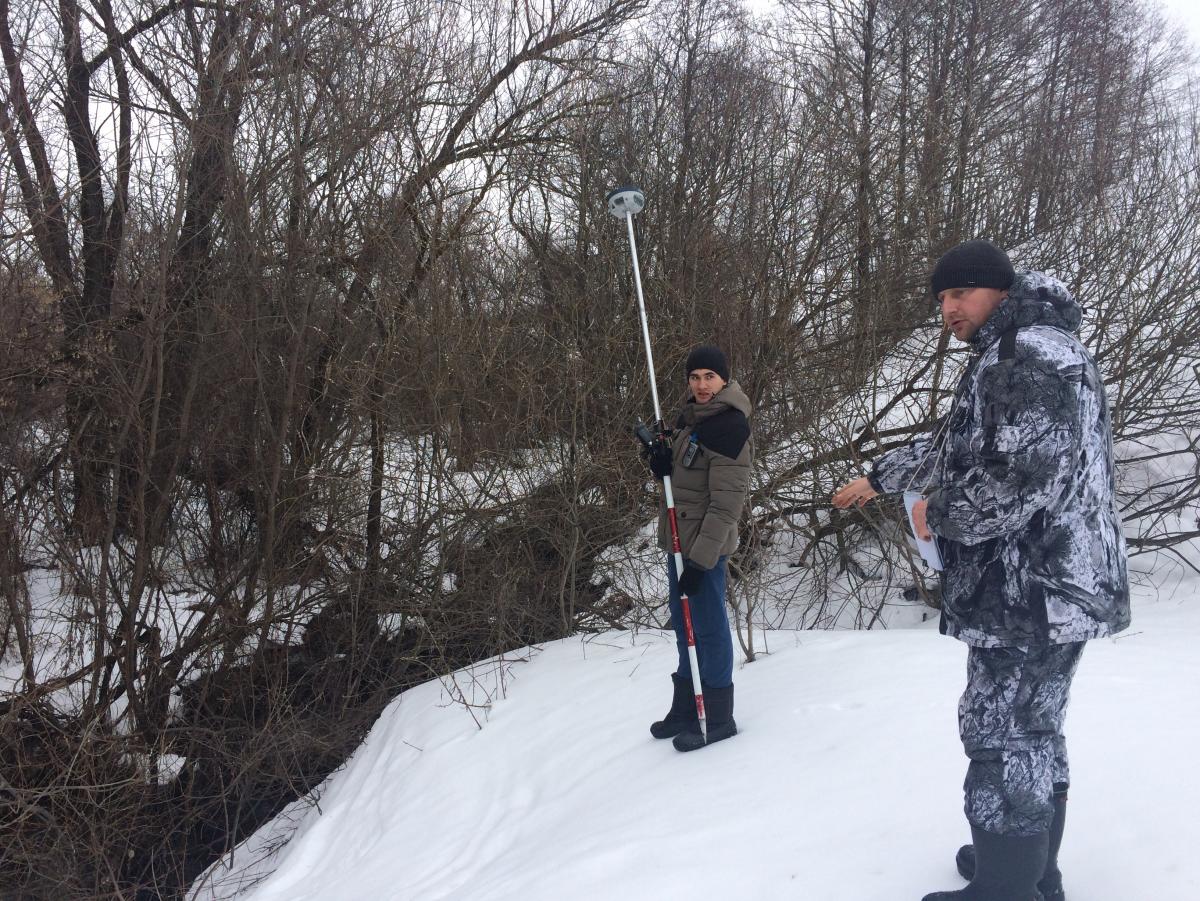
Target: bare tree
<point x="319" y="355"/>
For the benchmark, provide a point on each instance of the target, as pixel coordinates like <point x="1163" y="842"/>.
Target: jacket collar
<point x="1034" y="299"/>
<point x="729" y="397"/>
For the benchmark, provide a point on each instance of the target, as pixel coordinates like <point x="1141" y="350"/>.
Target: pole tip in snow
<point x="628" y="200"/>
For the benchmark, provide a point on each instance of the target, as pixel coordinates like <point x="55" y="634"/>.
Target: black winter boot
<point x="1051" y="882"/>
<point x="1007" y="868"/>
<point x="1050" y="885"/>
<point x="718" y="716"/>
<point x="682" y="713"/>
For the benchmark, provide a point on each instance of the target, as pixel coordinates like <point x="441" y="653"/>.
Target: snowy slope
<point x="844" y="783"/>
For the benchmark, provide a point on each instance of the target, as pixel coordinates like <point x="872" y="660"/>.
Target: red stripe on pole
<point x="687" y="619"/>
<point x="675" y="546"/>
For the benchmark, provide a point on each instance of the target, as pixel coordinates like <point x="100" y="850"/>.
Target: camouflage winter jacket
<point x="1021" y="493"/>
<point x="710" y="482"/>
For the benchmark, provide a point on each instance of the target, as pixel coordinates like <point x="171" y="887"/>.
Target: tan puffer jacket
<point x="710" y="493"/>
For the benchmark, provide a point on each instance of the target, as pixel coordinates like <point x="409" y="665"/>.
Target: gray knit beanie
<point x="708" y="356"/>
<point x="972" y="264"/>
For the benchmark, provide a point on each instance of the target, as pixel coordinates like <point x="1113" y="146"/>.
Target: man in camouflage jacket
<point x="1019" y="492"/>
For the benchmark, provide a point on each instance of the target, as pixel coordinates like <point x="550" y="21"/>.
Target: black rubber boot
<point x="1051" y="882"/>
<point x="718" y="716"/>
<point x="1050" y="885"/>
<point x="682" y="714"/>
<point x="1007" y="868"/>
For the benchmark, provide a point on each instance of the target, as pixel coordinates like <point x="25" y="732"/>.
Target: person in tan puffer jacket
<point x="708" y="459"/>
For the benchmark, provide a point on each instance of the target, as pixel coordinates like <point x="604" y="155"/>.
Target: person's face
<point x="965" y="310"/>
<point x="704" y="384"/>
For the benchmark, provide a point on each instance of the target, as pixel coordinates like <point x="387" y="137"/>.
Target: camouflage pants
<point x="1011" y="722"/>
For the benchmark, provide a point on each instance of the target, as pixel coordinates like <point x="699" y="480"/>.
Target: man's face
<point x="704" y="384"/>
<point x="965" y="310"/>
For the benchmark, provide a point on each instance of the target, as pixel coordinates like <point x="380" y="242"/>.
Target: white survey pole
<point x="625" y="203"/>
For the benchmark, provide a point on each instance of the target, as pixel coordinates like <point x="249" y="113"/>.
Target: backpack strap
<point x="991" y="417"/>
<point x="1008" y="344"/>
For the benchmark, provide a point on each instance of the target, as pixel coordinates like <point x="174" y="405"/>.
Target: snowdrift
<point x="534" y="778"/>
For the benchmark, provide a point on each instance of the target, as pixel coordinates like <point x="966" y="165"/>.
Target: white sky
<point x="1185" y="12"/>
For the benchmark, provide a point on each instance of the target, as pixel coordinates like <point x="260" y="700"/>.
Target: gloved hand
<point x="690" y="578"/>
<point x="659" y="455"/>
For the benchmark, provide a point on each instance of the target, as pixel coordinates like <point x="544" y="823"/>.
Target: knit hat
<point x="708" y="356"/>
<point x="972" y="264"/>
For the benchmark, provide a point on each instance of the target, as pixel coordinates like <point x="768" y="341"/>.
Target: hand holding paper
<point x="920" y="527"/>
<point x="915" y="504"/>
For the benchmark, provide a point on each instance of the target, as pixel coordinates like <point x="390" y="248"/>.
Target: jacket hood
<point x="1033" y="299"/>
<point x="729" y="397"/>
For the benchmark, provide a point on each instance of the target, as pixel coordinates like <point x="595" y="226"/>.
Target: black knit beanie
<point x="972" y="264"/>
<point x="708" y="356"/>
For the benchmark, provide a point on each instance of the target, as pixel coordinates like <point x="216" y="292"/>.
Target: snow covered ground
<point x="843" y="784"/>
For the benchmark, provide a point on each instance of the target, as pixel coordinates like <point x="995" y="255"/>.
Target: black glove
<point x="690" y="579"/>
<point x="660" y="457"/>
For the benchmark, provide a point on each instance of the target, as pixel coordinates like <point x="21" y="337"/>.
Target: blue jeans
<point x="710" y="625"/>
